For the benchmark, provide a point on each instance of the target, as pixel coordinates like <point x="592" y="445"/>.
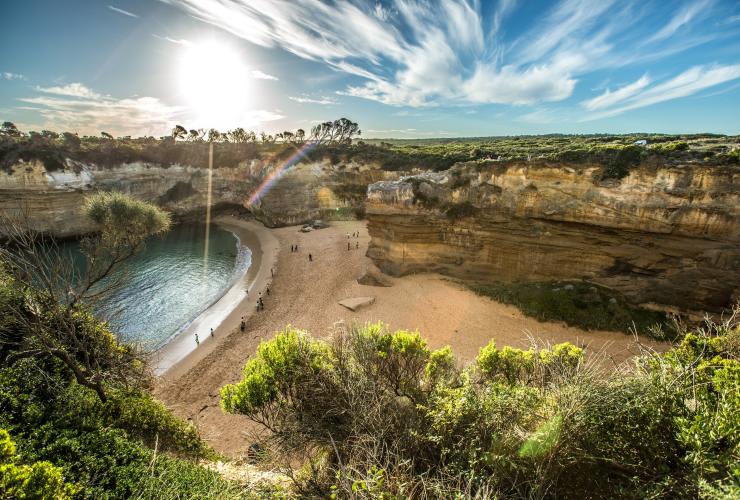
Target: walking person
<point x="268" y="290"/>
<point x="310" y="258"/>
<point x="357" y="245"/>
<point x="212" y="333"/>
<point x="197" y="340"/>
<point x="272" y="273"/>
<point x="348" y="246"/>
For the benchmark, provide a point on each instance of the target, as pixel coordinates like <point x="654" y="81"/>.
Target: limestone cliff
<point x="666" y="236"/>
<point x="52" y="201"/>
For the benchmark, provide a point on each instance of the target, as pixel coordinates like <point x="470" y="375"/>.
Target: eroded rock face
<point x="53" y="201"/>
<point x="668" y="236"/>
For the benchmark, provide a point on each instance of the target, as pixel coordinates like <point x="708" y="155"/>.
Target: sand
<point x="306" y="294"/>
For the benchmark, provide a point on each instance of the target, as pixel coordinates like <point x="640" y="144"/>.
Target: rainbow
<point x="276" y="174"/>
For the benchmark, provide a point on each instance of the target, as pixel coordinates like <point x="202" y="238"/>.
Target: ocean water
<point x="169" y="284"/>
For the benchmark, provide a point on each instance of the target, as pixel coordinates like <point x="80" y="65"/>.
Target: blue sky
<point x="403" y="68"/>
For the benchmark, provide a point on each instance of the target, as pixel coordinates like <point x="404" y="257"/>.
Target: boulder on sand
<point x="306" y="229"/>
<point x="355" y="303"/>
<point x="374" y="277"/>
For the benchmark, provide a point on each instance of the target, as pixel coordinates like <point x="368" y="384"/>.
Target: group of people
<point x="197" y="340"/>
<point x="355" y="234"/>
<point x="293" y="248"/>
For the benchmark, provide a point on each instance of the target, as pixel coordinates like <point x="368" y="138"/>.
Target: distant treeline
<point x="337" y="141"/>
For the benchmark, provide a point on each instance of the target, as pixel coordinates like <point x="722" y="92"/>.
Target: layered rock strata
<point x="53" y="201"/>
<point x="663" y="236"/>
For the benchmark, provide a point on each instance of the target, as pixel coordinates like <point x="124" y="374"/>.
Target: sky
<point x="400" y="68"/>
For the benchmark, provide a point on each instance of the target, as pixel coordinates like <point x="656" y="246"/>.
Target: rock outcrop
<point x="52" y="201"/>
<point x="664" y="236"/>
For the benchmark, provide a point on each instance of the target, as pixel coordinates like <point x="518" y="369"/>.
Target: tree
<point x="339" y="131"/>
<point x="214" y="135"/>
<point x="179" y="132"/>
<point x="44" y="302"/>
<point x="71" y="141"/>
<point x="9" y="129"/>
<point x="300" y="135"/>
<point x="106" y="135"/>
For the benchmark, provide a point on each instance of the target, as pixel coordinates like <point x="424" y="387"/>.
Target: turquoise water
<point x="168" y="285"/>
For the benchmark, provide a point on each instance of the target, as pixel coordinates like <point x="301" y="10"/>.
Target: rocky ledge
<point x="665" y="236"/>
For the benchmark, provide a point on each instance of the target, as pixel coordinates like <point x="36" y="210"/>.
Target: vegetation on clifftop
<point x="336" y="142"/>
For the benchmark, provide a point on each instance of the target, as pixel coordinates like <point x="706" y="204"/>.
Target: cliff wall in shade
<point x="52" y="201"/>
<point x="663" y="236"/>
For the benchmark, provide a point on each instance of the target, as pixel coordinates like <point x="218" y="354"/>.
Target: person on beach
<point x="242" y="325"/>
<point x="272" y="273"/>
<point x="197" y="340"/>
<point x="262" y="305"/>
<point x="211" y="332"/>
<point x="296" y="248"/>
<point x="357" y="246"/>
<point x="310" y="258"/>
<point x="348" y="246"/>
<point x="267" y="290"/>
<point x="246" y="290"/>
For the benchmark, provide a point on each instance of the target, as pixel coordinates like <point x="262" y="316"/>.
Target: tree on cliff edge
<point x="44" y="303"/>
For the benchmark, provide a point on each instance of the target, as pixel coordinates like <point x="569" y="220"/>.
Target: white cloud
<point x="177" y="41"/>
<point x="682" y="18"/>
<point x="121" y="11"/>
<point x="687" y="83"/>
<point x="12" y="76"/>
<point x="262" y="76"/>
<point x="310" y="100"/>
<point x="75" y="107"/>
<point x="92" y="114"/>
<point x="70" y="90"/>
<point x="420" y="53"/>
<point x="609" y="98"/>
<point x="511" y="86"/>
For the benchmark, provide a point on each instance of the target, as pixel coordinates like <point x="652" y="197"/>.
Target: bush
<point x="38" y="480"/>
<point x="379" y="415"/>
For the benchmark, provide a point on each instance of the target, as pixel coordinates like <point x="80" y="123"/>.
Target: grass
<point x="579" y="304"/>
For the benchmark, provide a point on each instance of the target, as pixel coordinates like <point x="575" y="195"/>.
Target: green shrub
<point x="37" y="480"/>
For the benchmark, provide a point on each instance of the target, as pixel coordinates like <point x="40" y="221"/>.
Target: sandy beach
<point x="305" y="295"/>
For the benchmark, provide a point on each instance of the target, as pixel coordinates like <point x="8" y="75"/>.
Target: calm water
<point x="167" y="285"/>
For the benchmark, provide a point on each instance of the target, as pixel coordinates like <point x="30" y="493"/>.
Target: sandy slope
<point x="305" y="294"/>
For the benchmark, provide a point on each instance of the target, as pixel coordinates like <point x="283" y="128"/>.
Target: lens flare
<point x="276" y="174"/>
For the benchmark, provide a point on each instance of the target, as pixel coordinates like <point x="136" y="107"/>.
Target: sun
<point x="213" y="80"/>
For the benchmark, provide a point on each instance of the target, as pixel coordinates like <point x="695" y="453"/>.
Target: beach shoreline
<point x="182" y="353"/>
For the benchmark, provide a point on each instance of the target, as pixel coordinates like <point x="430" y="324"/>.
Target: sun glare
<point x="214" y="83"/>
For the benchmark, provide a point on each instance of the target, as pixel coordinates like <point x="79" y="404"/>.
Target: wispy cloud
<point x="76" y="107"/>
<point x="12" y="76"/>
<point x="682" y="18"/>
<point x="310" y="100"/>
<point x="428" y="53"/>
<point x="687" y="83"/>
<point x="91" y="115"/>
<point x="121" y="11"/>
<point x="609" y="98"/>
<point x="70" y="90"/>
<point x="262" y="76"/>
<point x="177" y="41"/>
